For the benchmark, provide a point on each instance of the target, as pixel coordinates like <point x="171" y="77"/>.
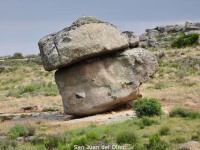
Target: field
<point x="176" y="84"/>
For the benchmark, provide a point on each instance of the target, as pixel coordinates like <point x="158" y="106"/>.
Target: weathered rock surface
<point x="101" y="84"/>
<point x="133" y="38"/>
<point x="152" y="34"/>
<point x="86" y="38"/>
<point x="191" y="145"/>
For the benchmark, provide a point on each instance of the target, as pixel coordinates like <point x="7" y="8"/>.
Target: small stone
<point x="20" y="139"/>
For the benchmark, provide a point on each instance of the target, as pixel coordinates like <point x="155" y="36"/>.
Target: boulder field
<point x="98" y="67"/>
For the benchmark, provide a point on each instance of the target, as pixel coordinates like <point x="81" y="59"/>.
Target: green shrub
<point x="147" y="107"/>
<point x="184" y="113"/>
<point x="126" y="138"/>
<point x="164" y="130"/>
<point x="155" y="143"/>
<point x="17" y="55"/>
<point x="186" y="40"/>
<point x="17" y="131"/>
<point x="81" y="141"/>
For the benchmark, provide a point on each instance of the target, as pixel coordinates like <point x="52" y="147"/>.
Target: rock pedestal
<point x="97" y="69"/>
<point x="104" y="83"/>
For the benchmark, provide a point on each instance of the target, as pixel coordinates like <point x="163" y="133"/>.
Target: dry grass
<point x="43" y="126"/>
<point x="13" y="105"/>
<point x="171" y="88"/>
<point x="167" y="86"/>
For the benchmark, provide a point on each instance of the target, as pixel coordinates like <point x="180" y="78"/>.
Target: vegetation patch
<point x="164" y="130"/>
<point x="126" y="137"/>
<point x="155" y="143"/>
<point x="17" y="131"/>
<point x="35" y="88"/>
<point x="147" y="107"/>
<point x="184" y="113"/>
<point x="186" y="40"/>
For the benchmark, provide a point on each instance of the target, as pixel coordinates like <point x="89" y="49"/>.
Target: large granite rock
<point x="133" y="38"/>
<point x="103" y="83"/>
<point x="86" y="38"/>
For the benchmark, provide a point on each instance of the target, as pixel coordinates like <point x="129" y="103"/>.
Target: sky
<point x="24" y="22"/>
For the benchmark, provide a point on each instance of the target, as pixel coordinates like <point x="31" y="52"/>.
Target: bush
<point x="126" y="138"/>
<point x="184" y="113"/>
<point x="17" y="55"/>
<point x="155" y="143"/>
<point x="186" y="40"/>
<point x="147" y="107"/>
<point x="164" y="130"/>
<point x="17" y="131"/>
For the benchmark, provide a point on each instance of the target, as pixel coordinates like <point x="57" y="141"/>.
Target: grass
<point x="175" y="83"/>
<point x="174" y="132"/>
<point x="126" y="137"/>
<point x="35" y="88"/>
<point x="164" y="130"/>
<point x="185" y="113"/>
<point x="176" y="76"/>
<point x="36" y="81"/>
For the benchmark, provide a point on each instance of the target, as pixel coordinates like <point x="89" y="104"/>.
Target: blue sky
<point x="24" y="22"/>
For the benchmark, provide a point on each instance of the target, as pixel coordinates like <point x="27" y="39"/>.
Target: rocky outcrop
<point x="85" y="38"/>
<point x="191" y="145"/>
<point x="162" y="36"/>
<point x="97" y="69"/>
<point x="104" y="83"/>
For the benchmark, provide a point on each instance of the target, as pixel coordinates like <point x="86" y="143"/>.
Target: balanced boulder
<point x="104" y="83"/>
<point x="86" y="38"/>
<point x="97" y="69"/>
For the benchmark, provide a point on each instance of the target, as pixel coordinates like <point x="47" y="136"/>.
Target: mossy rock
<point x="86" y="20"/>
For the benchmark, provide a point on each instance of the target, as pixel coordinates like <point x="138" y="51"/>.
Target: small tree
<point x="17" y="55"/>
